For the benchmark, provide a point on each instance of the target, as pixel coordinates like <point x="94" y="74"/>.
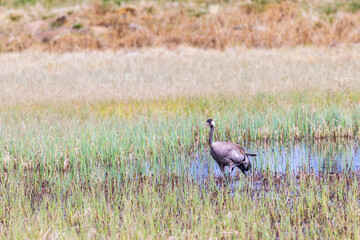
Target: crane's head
<point x="210" y="123"/>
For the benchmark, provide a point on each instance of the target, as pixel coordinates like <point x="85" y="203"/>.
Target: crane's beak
<point x="206" y="124"/>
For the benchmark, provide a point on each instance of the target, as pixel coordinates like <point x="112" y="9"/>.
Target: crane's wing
<point x="238" y="155"/>
<point x="242" y="151"/>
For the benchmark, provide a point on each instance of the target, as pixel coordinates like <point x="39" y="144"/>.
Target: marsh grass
<point x="109" y="171"/>
<point x="303" y="205"/>
<point x="99" y="145"/>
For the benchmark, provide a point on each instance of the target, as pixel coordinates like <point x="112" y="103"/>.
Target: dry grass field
<point x="101" y="26"/>
<point x="187" y="72"/>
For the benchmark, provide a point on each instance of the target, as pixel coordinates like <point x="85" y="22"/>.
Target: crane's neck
<point x="211" y="134"/>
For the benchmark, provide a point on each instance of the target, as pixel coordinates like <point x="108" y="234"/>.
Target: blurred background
<point x="66" y="25"/>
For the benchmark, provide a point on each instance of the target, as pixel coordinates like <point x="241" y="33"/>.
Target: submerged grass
<point x="110" y="205"/>
<point x="118" y="165"/>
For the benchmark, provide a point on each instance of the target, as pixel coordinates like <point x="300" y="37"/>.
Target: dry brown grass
<point x="173" y="24"/>
<point x="186" y="72"/>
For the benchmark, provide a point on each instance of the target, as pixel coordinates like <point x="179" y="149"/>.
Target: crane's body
<point x="228" y="153"/>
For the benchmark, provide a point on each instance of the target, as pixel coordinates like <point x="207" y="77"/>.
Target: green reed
<point x="129" y="169"/>
<point x="168" y="206"/>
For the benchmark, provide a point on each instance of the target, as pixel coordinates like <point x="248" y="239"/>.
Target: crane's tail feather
<point x="251" y="154"/>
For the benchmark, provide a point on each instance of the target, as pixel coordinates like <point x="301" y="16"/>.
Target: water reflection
<point x="321" y="156"/>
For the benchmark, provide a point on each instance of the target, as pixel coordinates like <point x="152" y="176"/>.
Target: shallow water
<point x="322" y="156"/>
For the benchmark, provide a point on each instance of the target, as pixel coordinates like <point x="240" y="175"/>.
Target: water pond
<point x="318" y="156"/>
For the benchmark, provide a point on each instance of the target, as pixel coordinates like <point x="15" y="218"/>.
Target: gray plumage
<point x="228" y="153"/>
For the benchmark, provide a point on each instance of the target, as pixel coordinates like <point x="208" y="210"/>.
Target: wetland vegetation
<point x="108" y="145"/>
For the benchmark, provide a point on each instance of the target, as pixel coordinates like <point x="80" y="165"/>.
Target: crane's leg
<point x="231" y="167"/>
<point x="222" y="169"/>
